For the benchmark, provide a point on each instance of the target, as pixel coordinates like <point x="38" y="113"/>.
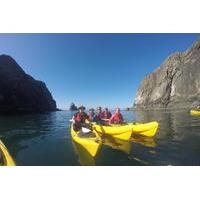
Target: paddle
<point x="85" y="130"/>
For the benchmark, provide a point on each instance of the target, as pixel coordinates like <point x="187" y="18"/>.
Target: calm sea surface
<point x="46" y="140"/>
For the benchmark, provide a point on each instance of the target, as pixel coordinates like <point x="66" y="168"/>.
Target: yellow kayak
<point x="195" y="112"/>
<point x="90" y="143"/>
<point x="85" y="159"/>
<point x="125" y="131"/>
<point x="7" y="160"/>
<point x="122" y="132"/>
<point x="147" y="129"/>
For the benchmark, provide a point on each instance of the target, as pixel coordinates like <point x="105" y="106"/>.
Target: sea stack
<point x="73" y="107"/>
<point x="21" y="93"/>
<point x="174" y="84"/>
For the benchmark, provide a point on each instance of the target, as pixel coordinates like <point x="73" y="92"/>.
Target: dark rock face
<point x="175" y="84"/>
<point x="19" y="92"/>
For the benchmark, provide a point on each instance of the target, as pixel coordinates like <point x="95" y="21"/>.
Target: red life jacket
<point x="80" y="117"/>
<point x="116" y="118"/>
<point x="99" y="116"/>
<point x="107" y="115"/>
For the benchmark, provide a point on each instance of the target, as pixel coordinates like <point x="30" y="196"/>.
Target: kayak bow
<point x="90" y="143"/>
<point x="147" y="129"/>
<point x="195" y="112"/>
<point x="7" y="159"/>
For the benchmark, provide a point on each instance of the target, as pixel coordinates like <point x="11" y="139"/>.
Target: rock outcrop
<point x="73" y="107"/>
<point x="175" y="84"/>
<point x="19" y="92"/>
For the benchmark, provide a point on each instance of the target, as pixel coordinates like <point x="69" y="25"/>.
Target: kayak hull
<point x="195" y="112"/>
<point x="7" y="158"/>
<point x="123" y="136"/>
<point x="124" y="132"/>
<point x="85" y="159"/>
<point x="147" y="129"/>
<point x="91" y="145"/>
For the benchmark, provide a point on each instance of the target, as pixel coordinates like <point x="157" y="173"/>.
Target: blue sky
<point x="92" y="69"/>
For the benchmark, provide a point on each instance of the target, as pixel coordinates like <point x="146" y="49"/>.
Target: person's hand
<point x="72" y="121"/>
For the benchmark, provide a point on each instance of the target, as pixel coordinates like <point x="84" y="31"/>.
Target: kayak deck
<point x="90" y="143"/>
<point x="122" y="132"/>
<point x="7" y="159"/>
<point x="112" y="129"/>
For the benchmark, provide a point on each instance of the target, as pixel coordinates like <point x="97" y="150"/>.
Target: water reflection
<point x="145" y="141"/>
<point x="117" y="144"/>
<point x="22" y="132"/>
<point x="178" y="137"/>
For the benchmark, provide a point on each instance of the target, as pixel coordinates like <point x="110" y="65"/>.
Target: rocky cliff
<point x="19" y="92"/>
<point x="175" y="84"/>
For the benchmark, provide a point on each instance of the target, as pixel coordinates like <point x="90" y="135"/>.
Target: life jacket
<point x="92" y="118"/>
<point x="99" y="116"/>
<point x="116" y="118"/>
<point x="80" y="117"/>
<point x="107" y="115"/>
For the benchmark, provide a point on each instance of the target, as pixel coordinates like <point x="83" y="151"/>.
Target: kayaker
<point x="117" y="117"/>
<point x="99" y="115"/>
<point x="106" y="114"/>
<point x="79" y="119"/>
<point x="92" y="115"/>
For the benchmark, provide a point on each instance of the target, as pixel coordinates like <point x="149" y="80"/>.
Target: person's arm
<point x="73" y="119"/>
<point x="87" y="119"/>
<point x="111" y="119"/>
<point x="107" y="120"/>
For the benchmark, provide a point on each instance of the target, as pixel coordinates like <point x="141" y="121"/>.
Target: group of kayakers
<point x="101" y="116"/>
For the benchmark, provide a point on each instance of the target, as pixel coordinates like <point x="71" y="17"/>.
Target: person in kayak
<point x="91" y="115"/>
<point x="99" y="115"/>
<point x="106" y="114"/>
<point x="117" y="117"/>
<point x="79" y="119"/>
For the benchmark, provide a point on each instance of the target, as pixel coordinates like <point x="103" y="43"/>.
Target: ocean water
<point x="45" y="140"/>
